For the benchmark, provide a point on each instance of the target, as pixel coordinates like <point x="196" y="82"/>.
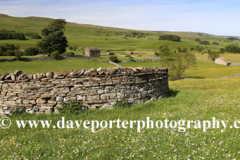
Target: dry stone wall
<point x="101" y="88"/>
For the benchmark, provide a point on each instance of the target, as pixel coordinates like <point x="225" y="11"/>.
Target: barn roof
<point x="224" y="60"/>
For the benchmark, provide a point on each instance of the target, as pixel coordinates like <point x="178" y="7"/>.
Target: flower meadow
<point x="192" y="99"/>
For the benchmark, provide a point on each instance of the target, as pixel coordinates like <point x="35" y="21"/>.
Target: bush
<point x="122" y="104"/>
<point x="9" y="53"/>
<point x="213" y="55"/>
<point x="113" y="58"/>
<point x="68" y="54"/>
<point x="139" y="55"/>
<point x="36" y="36"/>
<point x="156" y="53"/>
<point x="55" y="55"/>
<point x="18" y="54"/>
<point x="127" y="55"/>
<point x="178" y="63"/>
<point x="170" y="37"/>
<point x="71" y="108"/>
<point x="32" y="51"/>
<point x="232" y="48"/>
<point x="18" y="111"/>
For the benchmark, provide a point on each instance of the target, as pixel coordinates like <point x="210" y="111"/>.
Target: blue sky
<point x="220" y="17"/>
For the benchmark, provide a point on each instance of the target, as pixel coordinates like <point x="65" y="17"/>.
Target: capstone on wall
<point x="101" y="88"/>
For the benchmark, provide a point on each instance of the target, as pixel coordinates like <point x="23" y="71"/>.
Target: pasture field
<point x="198" y="99"/>
<point x="33" y="67"/>
<point x="203" y="94"/>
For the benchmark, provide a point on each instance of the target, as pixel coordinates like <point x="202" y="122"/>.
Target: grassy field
<point x="191" y="100"/>
<point x="201" y="96"/>
<point x="33" y="67"/>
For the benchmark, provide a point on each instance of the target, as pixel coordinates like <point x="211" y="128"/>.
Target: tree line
<point x="170" y="37"/>
<point x="4" y="34"/>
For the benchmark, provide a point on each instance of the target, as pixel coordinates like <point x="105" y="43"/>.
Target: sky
<point x="219" y="17"/>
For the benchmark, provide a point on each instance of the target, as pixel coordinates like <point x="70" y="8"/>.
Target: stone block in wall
<point x="93" y="98"/>
<point x="105" y="96"/>
<point x="10" y="103"/>
<point x="120" y="95"/>
<point x="113" y="95"/>
<point x="40" y="101"/>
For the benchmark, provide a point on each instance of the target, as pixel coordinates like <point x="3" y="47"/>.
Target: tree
<point x="31" y="51"/>
<point x="164" y="51"/>
<point x="113" y="58"/>
<point x="56" y="25"/>
<point x="54" y="39"/>
<point x="222" y="50"/>
<point x="213" y="55"/>
<point x="232" y="48"/>
<point x="170" y="37"/>
<point x="55" y="55"/>
<point x="18" y="54"/>
<point x="178" y="63"/>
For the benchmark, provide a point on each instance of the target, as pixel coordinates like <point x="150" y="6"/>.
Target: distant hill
<point x="92" y="35"/>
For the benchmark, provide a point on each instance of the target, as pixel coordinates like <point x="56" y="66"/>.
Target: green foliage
<point x="182" y="50"/>
<point x="204" y="42"/>
<point x="54" y="26"/>
<point x="31" y="51"/>
<point x="55" y="55"/>
<point x="232" y="48"/>
<point x="215" y="43"/>
<point x="232" y="38"/>
<point x="139" y="55"/>
<point x="156" y="53"/>
<point x="18" y="111"/>
<point x="178" y="63"/>
<point x="127" y="55"/>
<point x="199" y="49"/>
<point x="135" y="34"/>
<point x="68" y="54"/>
<point x="113" y="58"/>
<point x="18" y="54"/>
<point x="222" y="50"/>
<point x="213" y="55"/>
<point x="8" y="49"/>
<point x="72" y="108"/>
<point x="170" y="37"/>
<point x="122" y="104"/>
<point x="55" y="41"/>
<point x="164" y="51"/>
<point x="198" y="39"/>
<point x="192" y="48"/>
<point x="33" y="35"/>
<point x="4" y="34"/>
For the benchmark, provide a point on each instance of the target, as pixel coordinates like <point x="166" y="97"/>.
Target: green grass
<point x="33" y="67"/>
<point x="191" y="100"/>
<point x="202" y="70"/>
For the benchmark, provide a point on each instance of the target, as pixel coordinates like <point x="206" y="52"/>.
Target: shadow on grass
<point x="173" y="93"/>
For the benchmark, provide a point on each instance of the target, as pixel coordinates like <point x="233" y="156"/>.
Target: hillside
<point x="106" y="38"/>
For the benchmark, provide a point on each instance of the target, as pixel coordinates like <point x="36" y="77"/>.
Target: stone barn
<point x="222" y="61"/>
<point x="109" y="53"/>
<point x="130" y="53"/>
<point x="91" y="52"/>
